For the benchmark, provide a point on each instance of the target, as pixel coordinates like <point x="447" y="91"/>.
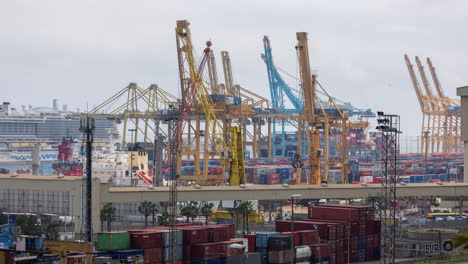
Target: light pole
<point x="426" y="135"/>
<point x="297" y="196"/>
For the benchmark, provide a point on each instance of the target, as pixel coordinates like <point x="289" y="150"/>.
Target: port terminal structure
<point x="36" y="194"/>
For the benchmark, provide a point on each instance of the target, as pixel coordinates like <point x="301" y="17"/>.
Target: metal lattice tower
<point x="87" y="126"/>
<point x="172" y="119"/>
<point x="389" y="125"/>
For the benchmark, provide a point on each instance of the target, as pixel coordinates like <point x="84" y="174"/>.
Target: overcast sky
<point x="81" y="52"/>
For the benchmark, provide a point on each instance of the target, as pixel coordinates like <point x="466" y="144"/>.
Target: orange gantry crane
<point x="319" y="122"/>
<point x="441" y="122"/>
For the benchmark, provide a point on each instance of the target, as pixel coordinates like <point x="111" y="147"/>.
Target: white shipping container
<point x="367" y="179"/>
<point x="303" y="252"/>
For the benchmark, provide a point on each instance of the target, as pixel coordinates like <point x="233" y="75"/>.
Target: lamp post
<point x="297" y="196"/>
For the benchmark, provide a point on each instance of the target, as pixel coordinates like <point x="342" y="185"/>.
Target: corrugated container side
<point x="205" y="251"/>
<point x="113" y="240"/>
<point x="261" y="239"/>
<point x="194" y="235"/>
<point x="308" y="237"/>
<point x="146" y="240"/>
<point x="279" y="257"/>
<point x="296" y="237"/>
<point x="334" y="213"/>
<point x="252" y="244"/>
<point x="153" y="255"/>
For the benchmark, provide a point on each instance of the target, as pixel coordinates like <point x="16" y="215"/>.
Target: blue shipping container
<point x="261" y="239"/>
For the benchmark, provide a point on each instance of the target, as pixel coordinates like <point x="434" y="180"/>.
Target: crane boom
<point x="440" y="92"/>
<point x="227" y="73"/>
<point x="308" y="87"/>
<point x="415" y="82"/>
<point x="214" y="85"/>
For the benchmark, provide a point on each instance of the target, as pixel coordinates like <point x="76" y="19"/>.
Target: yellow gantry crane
<point x="441" y="122"/>
<point x="216" y="116"/>
<point x="136" y="108"/>
<point x="319" y="121"/>
<point x="201" y="112"/>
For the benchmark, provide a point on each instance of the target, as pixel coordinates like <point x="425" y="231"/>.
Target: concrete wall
<point x="463" y="93"/>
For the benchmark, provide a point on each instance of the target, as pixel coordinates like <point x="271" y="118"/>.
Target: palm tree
<point x="189" y="211"/>
<point x="244" y="209"/>
<point x="206" y="211"/>
<point x="147" y="208"/>
<point x="108" y="215"/>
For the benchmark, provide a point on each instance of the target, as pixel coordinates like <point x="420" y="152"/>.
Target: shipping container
<point x="277" y="243"/>
<point x="250" y="258"/>
<point x="205" y="251"/>
<point x="166" y="237"/>
<point x="261" y="239"/>
<point x="280" y="257"/>
<point x="179" y="253"/>
<point x="146" y="240"/>
<point x="338" y="213"/>
<point x="217" y="233"/>
<point x="194" y="234"/>
<point x="251" y="244"/>
<point x="117" y="240"/>
<point x="296" y="236"/>
<point x="153" y="255"/>
<point x="308" y="237"/>
<point x="303" y="253"/>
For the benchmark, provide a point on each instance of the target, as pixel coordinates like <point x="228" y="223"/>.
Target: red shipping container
<point x="217" y="233"/>
<point x="231" y="229"/>
<point x="320" y="250"/>
<point x="354" y="256"/>
<point x="338" y="213"/>
<point x="153" y="255"/>
<point x="235" y="251"/>
<point x="273" y="178"/>
<point x="349" y="229"/>
<point x="296" y="236"/>
<point x="342" y="258"/>
<point x="369" y="254"/>
<point x="146" y="240"/>
<point x="251" y="239"/>
<point x="322" y="227"/>
<point x="188" y="253"/>
<point x="370" y="241"/>
<point x="330" y="233"/>
<point x="377" y="226"/>
<point x="354" y="242"/>
<point x="365" y="212"/>
<point x="376" y="240"/>
<point x="194" y="234"/>
<point x="279" y="257"/>
<point x="308" y="237"/>
<point x="205" y="251"/>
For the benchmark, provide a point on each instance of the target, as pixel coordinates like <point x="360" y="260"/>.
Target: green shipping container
<point x="113" y="240"/>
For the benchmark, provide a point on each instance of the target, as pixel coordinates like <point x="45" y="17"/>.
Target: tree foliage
<point x="107" y="215"/>
<point x="206" y="211"/>
<point x="51" y="231"/>
<point x="190" y="212"/>
<point x="244" y="209"/>
<point x="147" y="208"/>
<point x="163" y="219"/>
<point x="29" y="225"/>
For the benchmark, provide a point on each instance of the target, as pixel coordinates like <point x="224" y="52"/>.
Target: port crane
<point x="282" y="93"/>
<point x="319" y="120"/>
<point x="197" y="103"/>
<point x="441" y="121"/>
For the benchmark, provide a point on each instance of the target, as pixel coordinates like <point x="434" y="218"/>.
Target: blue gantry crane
<point x="282" y="93"/>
